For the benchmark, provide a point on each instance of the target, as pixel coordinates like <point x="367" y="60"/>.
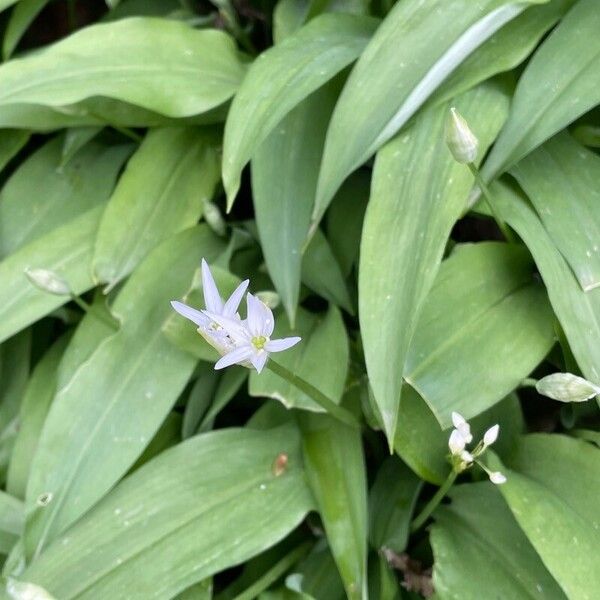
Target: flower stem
<point x="420" y="519"/>
<point x="310" y="390"/>
<point x="528" y="382"/>
<point x="490" y="202"/>
<point x="92" y="311"/>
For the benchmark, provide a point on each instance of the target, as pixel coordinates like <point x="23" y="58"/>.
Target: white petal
<point x="491" y="435"/>
<point x="282" y="344"/>
<point x="466" y="456"/>
<point x="457" y="420"/>
<point x="235" y="328"/>
<point x="212" y="298"/>
<point x="456" y="442"/>
<point x="260" y="317"/>
<point x="239" y="355"/>
<point x="497" y="478"/>
<point x="190" y="313"/>
<point x="231" y="306"/>
<point x="258" y="360"/>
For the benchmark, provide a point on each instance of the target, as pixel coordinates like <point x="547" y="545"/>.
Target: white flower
<point x="460" y="139"/>
<point x="567" y="387"/>
<point x="22" y="590"/>
<point x="491" y="435"/>
<point x="210" y="330"/>
<point x="252" y="337"/>
<point x="456" y="442"/>
<point x="48" y="281"/>
<point x="467" y="457"/>
<point x="497" y="477"/>
<point x="462" y="426"/>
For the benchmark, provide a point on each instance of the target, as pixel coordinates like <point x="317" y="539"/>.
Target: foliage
<point x="300" y="144"/>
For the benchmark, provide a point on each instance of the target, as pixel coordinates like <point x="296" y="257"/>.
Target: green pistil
<point x="259" y="342"/>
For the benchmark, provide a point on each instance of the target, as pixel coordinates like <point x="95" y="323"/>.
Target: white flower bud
<point x="491" y="435"/>
<point x="214" y="219"/>
<point x="269" y="298"/>
<point x="460" y="139"/>
<point x="48" y="281"/>
<point x="497" y="478"/>
<point x="567" y="387"/>
<point x="456" y="442"/>
<point x="21" y="590"/>
<point x="463" y="427"/>
<point x="466" y="456"/>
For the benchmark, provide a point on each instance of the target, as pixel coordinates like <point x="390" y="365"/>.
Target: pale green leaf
<point x="21" y="18"/>
<point x="12" y="518"/>
<point x="11" y="142"/>
<point x="150" y="204"/>
<point x="281" y="78"/>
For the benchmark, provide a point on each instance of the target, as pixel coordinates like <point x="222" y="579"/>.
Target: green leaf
<point x="562" y="180"/>
<point x="556" y="479"/>
<point x="90" y="440"/>
<point x="229" y="384"/>
<point x="321" y="358"/>
<point x="11" y="142"/>
<point x="281" y="78"/>
<point x="391" y="503"/>
<point x="195" y="71"/>
<point x="417" y="194"/>
<point x="478" y="546"/>
<point x="484" y="327"/>
<point x="12" y="518"/>
<point x="21" y="18"/>
<point x="161" y="530"/>
<point x="335" y="471"/>
<point x="415" y="48"/>
<point x="200" y="398"/>
<point x="75" y="139"/>
<point x="69" y="191"/>
<point x="36" y="403"/>
<point x="559" y="84"/>
<point x="14" y="370"/>
<point x="66" y="250"/>
<point x="577" y="311"/>
<point x="506" y="49"/>
<point x="284" y="179"/>
<point x="423" y="446"/>
<point x="150" y="204"/>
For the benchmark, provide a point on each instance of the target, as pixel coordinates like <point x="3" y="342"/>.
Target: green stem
<point x="490" y="202"/>
<point x="310" y="390"/>
<point x="528" y="382"/>
<point x="420" y="519"/>
<point x="275" y="572"/>
<point x="92" y="311"/>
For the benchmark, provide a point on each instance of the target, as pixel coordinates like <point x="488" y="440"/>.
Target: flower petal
<point x="239" y="355"/>
<point x="212" y="298"/>
<point x="491" y="435"/>
<point x="456" y="442"/>
<point x="234" y="327"/>
<point x="231" y="306"/>
<point x="190" y="313"/>
<point x="282" y="344"/>
<point x="260" y="317"/>
<point x="258" y="360"/>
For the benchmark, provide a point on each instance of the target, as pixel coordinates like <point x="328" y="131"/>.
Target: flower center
<point x="259" y="342"/>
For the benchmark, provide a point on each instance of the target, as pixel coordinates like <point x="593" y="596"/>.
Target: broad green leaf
<point x="14" y="373"/>
<point x="11" y="141"/>
<point x="423" y="446"/>
<point x="200" y="397"/>
<point x="577" y="311"/>
<point x="150" y="204"/>
<point x="554" y="479"/>
<point x="284" y="179"/>
<point x="169" y="434"/>
<point x="281" y="78"/>
<point x="485" y="326"/>
<point x="336" y="474"/>
<point x="195" y="71"/>
<point x="321" y="358"/>
<point x="27" y="212"/>
<point x="75" y="139"/>
<point x="391" y="503"/>
<point x="12" y="518"/>
<point x="67" y="250"/>
<point x="161" y="530"/>
<point x="415" y="48"/>
<point x="34" y="409"/>
<point x="21" y="18"/>
<point x="506" y="49"/>
<point x="559" y="84"/>
<point x="229" y="384"/>
<point x="90" y="440"/>
<point x="383" y="582"/>
<point x="198" y="591"/>
<point x="479" y="550"/>
<point x="562" y="180"/>
<point x="418" y="192"/>
<point x="322" y="274"/>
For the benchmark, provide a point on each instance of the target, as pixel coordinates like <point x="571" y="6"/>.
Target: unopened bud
<point x="456" y="442"/>
<point x="22" y="590"/>
<point x="48" y="281"/>
<point x="460" y="139"/>
<point x="497" y="478"/>
<point x="463" y="427"/>
<point x="567" y="387"/>
<point x="214" y="219"/>
<point x="269" y="298"/>
<point x="491" y="435"/>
